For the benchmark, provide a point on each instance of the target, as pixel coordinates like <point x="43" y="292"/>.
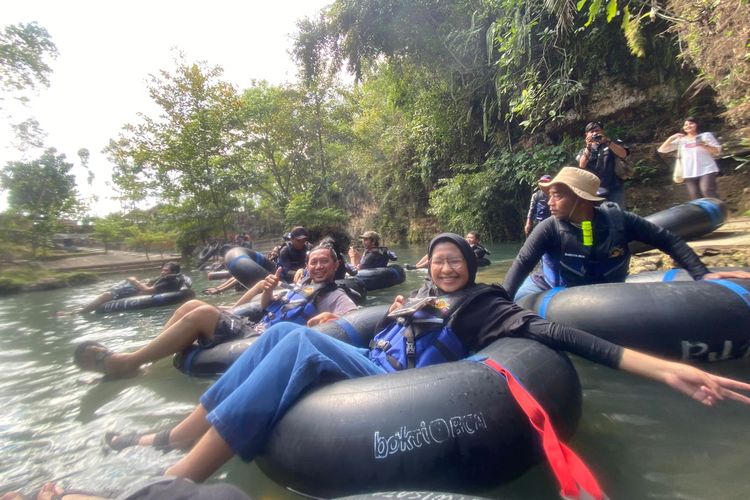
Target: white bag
<point x="677" y="172"/>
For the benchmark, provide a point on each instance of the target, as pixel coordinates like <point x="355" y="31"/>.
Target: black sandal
<point x="118" y="441"/>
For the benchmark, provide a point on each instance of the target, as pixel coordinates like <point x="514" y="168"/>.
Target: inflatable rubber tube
<point x="218" y="275"/>
<point x="206" y="253"/>
<point x="145" y="301"/>
<point x="243" y="266"/>
<point x="355" y="289"/>
<point x="483" y="262"/>
<point x="412" y="495"/>
<point x="687" y="320"/>
<point x="676" y="274"/>
<point x="689" y="220"/>
<point x="261" y="260"/>
<point x="380" y="277"/>
<point x="355" y="327"/>
<point x="452" y="426"/>
<point x="251" y="310"/>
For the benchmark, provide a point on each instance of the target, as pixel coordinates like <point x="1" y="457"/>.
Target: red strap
<point x="571" y="472"/>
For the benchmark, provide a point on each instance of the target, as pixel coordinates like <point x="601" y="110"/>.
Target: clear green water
<point x="642" y="440"/>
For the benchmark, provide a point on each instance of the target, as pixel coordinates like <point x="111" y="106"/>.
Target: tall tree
<point x="192" y="151"/>
<point x="43" y="191"/>
<point x="466" y="81"/>
<point x="24" y="50"/>
<point x="279" y="161"/>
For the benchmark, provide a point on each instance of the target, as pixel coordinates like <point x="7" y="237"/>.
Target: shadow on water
<point x="641" y="439"/>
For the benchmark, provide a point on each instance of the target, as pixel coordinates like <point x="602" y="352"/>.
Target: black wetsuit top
<point x="601" y="162"/>
<point x="292" y="259"/>
<point x="479" y="251"/>
<point x="546" y="238"/>
<point x="168" y="283"/>
<point x="494" y="315"/>
<point x="376" y="257"/>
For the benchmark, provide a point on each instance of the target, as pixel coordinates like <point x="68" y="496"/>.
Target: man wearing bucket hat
<point x="586" y="241"/>
<point x="538" y="207"/>
<point x="374" y="255"/>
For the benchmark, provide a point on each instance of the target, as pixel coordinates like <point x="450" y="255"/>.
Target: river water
<point x="642" y="440"/>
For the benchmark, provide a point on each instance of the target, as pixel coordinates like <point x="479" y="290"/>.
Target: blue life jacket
<point x="297" y="306"/>
<point x="541" y="207"/>
<point x="607" y="261"/>
<point x="422" y="334"/>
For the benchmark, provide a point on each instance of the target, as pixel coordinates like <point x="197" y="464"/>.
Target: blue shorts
<point x="122" y="290"/>
<point x="229" y="327"/>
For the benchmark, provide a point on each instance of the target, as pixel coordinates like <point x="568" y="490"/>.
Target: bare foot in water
<point x="51" y="491"/>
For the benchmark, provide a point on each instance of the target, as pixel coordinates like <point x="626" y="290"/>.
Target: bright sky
<point x="107" y="49"/>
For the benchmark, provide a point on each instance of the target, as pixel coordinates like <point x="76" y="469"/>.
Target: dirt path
<point x="112" y="261"/>
<point x="734" y="232"/>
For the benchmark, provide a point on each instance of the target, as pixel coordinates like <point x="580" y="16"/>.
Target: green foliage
<point x="448" y="88"/>
<point x="281" y="142"/>
<point x="14" y="236"/>
<point x="452" y="103"/>
<point x="149" y="240"/>
<point x="192" y="151"/>
<point x="23" y="49"/>
<point x="42" y="191"/>
<point x="631" y="26"/>
<point x="218" y="159"/>
<point x="303" y="209"/>
<point x="110" y="229"/>
<point x="492" y="198"/>
<point x="23" y="278"/>
<point x="645" y="172"/>
<point x="10" y="284"/>
<point x="715" y="38"/>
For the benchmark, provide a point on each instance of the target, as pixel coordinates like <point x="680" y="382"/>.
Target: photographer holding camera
<point x="600" y="157"/>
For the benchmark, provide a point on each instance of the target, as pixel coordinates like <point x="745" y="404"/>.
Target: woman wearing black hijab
<point x="236" y="415"/>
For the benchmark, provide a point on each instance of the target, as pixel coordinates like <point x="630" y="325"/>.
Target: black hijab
<point x="463" y="245"/>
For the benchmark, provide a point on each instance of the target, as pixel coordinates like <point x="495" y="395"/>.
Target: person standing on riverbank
<point x="600" y="156"/>
<point x="538" y="207"/>
<point x="695" y="152"/>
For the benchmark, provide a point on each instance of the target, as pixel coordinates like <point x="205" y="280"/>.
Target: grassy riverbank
<point x="75" y="268"/>
<point x="28" y="278"/>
